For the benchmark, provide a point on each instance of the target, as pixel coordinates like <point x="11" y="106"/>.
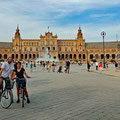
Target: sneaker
<point x="18" y="101"/>
<point x="28" y="101"/>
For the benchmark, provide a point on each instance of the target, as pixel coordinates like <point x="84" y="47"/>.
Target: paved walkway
<point x="76" y="96"/>
<point x="111" y="71"/>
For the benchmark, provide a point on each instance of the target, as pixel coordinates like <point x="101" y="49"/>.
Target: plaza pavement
<point x="76" y="96"/>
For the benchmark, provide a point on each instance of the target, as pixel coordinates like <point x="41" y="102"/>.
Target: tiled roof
<point x="98" y="45"/>
<point x="6" y="45"/>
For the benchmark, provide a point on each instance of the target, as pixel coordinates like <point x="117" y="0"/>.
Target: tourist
<point x="91" y="63"/>
<point x="106" y="66"/>
<point x="6" y="72"/>
<point x="43" y="65"/>
<point x="101" y="66"/>
<point x="53" y="66"/>
<point x="67" y="66"/>
<point x="19" y="73"/>
<point x="116" y="66"/>
<point x="97" y="64"/>
<point x="88" y="66"/>
<point x="31" y="66"/>
<point x="35" y="65"/>
<point x="48" y="66"/>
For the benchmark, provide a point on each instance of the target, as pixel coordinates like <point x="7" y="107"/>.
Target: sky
<point x="62" y="16"/>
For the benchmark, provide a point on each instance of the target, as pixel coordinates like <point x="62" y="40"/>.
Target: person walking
<point x="19" y="73"/>
<point x="88" y="66"/>
<point x="53" y="66"/>
<point x="106" y="66"/>
<point x="48" y="66"/>
<point x="31" y="66"/>
<point x="101" y="66"/>
<point x="116" y="66"/>
<point x="97" y="64"/>
<point x="67" y="66"/>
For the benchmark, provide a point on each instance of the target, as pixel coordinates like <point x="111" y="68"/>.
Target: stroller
<point x="60" y="69"/>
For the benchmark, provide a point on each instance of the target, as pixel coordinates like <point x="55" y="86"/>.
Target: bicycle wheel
<point x="22" y="93"/>
<point x="6" y="98"/>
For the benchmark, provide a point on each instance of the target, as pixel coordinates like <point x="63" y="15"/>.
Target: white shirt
<point x="7" y="69"/>
<point x="96" y="63"/>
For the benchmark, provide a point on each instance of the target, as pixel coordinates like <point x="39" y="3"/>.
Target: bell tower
<point x="17" y="43"/>
<point x="80" y="40"/>
<point x="17" y="40"/>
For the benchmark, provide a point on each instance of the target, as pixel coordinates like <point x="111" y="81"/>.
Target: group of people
<point x="12" y="70"/>
<point x="99" y="66"/>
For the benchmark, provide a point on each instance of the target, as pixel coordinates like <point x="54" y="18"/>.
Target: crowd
<point x="99" y="66"/>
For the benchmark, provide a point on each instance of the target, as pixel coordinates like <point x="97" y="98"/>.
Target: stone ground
<point x="76" y="96"/>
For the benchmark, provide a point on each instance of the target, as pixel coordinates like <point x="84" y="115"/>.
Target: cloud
<point x="102" y="15"/>
<point x="33" y="17"/>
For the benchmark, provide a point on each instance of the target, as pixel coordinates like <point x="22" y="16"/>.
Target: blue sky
<point x="63" y="17"/>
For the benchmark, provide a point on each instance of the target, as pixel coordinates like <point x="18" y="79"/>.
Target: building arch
<point x="91" y="56"/>
<point x="113" y="56"/>
<point x="107" y="56"/>
<point x="5" y="56"/>
<point x="70" y="56"/>
<point x="0" y="56"/>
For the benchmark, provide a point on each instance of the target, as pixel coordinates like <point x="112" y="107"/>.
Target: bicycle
<point x="21" y="91"/>
<point x="6" y="98"/>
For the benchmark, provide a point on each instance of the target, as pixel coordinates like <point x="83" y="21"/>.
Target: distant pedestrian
<point x="53" y="66"/>
<point x="67" y="66"/>
<point x="101" y="66"/>
<point x="48" y="66"/>
<point x="116" y="66"/>
<point x="97" y="64"/>
<point x="31" y="66"/>
<point x="88" y="66"/>
<point x="43" y="65"/>
<point x="34" y="64"/>
<point x="106" y="66"/>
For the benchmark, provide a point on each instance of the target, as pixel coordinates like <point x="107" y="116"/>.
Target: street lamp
<point x="103" y="34"/>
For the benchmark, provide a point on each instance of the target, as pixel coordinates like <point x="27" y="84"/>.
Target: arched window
<point x="102" y="56"/>
<point x="25" y="56"/>
<point x="113" y="56"/>
<point x="21" y="56"/>
<point x="0" y="56"/>
<point x="30" y="56"/>
<point x="16" y="56"/>
<point x="70" y="56"/>
<point x="74" y="56"/>
<point x="31" y="49"/>
<point x="66" y="56"/>
<point x="79" y="56"/>
<point x="62" y="56"/>
<point x="59" y="56"/>
<point x="91" y="56"/>
<point x="84" y="57"/>
<point x="53" y="48"/>
<point x="107" y="56"/>
<point x="96" y="56"/>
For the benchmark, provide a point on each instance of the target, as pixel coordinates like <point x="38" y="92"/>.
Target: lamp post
<point x="103" y="34"/>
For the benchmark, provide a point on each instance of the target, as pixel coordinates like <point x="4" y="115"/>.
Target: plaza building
<point x="62" y="49"/>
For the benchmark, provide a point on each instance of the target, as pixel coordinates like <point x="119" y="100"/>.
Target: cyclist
<point x="7" y="71"/>
<point x="19" y="73"/>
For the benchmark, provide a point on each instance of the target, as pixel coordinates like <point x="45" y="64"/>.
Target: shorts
<point x="20" y="81"/>
<point x="67" y="67"/>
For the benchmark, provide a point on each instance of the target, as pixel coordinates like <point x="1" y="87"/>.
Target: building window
<point x="91" y="56"/>
<point x="71" y="49"/>
<point x="42" y="48"/>
<point x="64" y="43"/>
<point x="84" y="57"/>
<point x="102" y="56"/>
<point x="65" y="49"/>
<point x="0" y="56"/>
<point x="113" y="56"/>
<point x="53" y="48"/>
<point x="25" y="56"/>
<point x="107" y="56"/>
<point x="24" y="43"/>
<point x="59" y="48"/>
<point x="70" y="56"/>
<point x="30" y="49"/>
<point x="79" y="56"/>
<point x="72" y="44"/>
<point x="37" y="43"/>
<point x="49" y="48"/>
<point x="25" y="49"/>
<point x="37" y="49"/>
<point x="32" y="43"/>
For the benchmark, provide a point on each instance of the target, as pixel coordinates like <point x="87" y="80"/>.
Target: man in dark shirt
<point x="67" y="66"/>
